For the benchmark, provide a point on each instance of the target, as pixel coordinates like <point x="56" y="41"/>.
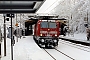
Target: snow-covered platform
<point x="80" y="37"/>
<point x="25" y="49"/>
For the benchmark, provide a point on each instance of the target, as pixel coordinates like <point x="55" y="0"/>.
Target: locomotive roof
<point x="46" y="19"/>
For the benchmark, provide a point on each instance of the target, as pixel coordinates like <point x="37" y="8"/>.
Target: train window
<point x="44" y="24"/>
<point x="52" y="25"/>
<point x="48" y="25"/>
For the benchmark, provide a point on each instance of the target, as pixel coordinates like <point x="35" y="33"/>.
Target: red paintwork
<point x="47" y="31"/>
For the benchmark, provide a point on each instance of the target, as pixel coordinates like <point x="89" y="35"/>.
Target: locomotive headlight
<point x="55" y="40"/>
<point x="40" y="34"/>
<point x="42" y="40"/>
<point x="55" y="35"/>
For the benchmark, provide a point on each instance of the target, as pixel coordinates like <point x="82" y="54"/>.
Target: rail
<point x="64" y="54"/>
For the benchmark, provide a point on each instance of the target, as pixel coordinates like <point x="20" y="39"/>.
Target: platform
<point x="25" y="49"/>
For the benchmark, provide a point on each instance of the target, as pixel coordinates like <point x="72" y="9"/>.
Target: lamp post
<point x="4" y="36"/>
<point x="0" y="41"/>
<point x="11" y="39"/>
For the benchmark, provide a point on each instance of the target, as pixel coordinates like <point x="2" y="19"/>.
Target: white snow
<point x="77" y="36"/>
<point x="75" y="11"/>
<point x="72" y="51"/>
<point x="27" y="49"/>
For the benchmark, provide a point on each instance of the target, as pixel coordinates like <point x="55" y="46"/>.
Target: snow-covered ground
<point x="76" y="52"/>
<point x="77" y="36"/>
<point x="27" y="49"/>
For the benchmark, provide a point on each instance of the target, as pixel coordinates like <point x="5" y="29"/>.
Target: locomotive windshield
<point x="48" y="24"/>
<point x="44" y="24"/>
<point x="52" y="25"/>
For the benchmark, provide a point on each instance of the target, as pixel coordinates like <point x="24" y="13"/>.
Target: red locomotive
<point x="46" y="33"/>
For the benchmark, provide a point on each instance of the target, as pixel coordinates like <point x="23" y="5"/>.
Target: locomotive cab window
<point x="52" y="25"/>
<point x="48" y="24"/>
<point x="44" y="24"/>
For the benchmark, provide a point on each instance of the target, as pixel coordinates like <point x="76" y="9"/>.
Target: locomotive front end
<point x="48" y="34"/>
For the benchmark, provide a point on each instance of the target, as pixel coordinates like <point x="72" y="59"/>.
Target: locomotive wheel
<point x="34" y="37"/>
<point x="46" y="45"/>
<point x="87" y="38"/>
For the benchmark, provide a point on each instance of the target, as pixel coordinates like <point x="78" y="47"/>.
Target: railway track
<point x="87" y="49"/>
<point x="50" y="54"/>
<point x="76" y="44"/>
<point x="59" y="54"/>
<point x="64" y="54"/>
